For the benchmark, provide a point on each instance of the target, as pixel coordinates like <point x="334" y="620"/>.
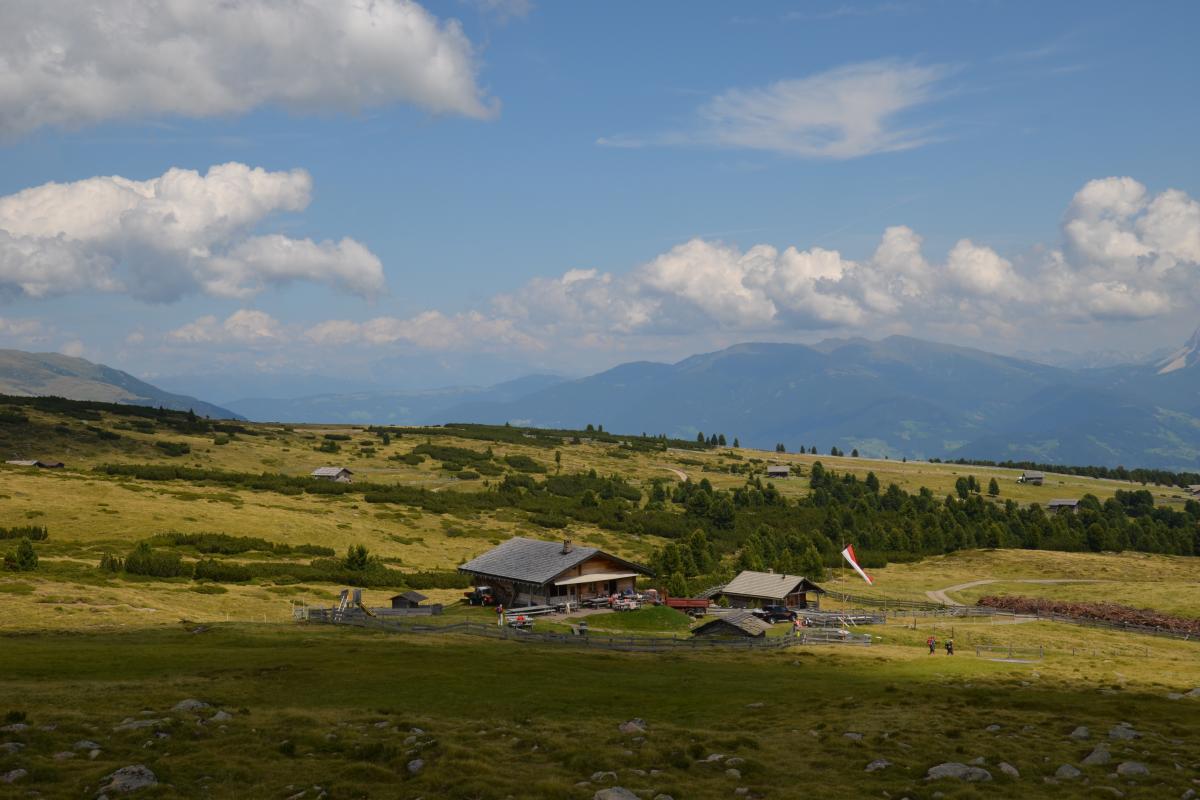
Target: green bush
<point x="337" y="437"/>
<point x="111" y="563"/>
<point x="23" y="559"/>
<point x="523" y="463"/>
<point x="144" y="560"/>
<point x="467" y="475"/>
<point x="209" y="569"/>
<point x="412" y="459"/>
<point x="174" y="449"/>
<point x="34" y="533"/>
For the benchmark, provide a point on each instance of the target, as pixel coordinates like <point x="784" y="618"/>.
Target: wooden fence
<point x="592" y="640"/>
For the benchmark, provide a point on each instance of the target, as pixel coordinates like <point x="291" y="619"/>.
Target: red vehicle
<point x="480" y="596"/>
<point x="692" y="606"/>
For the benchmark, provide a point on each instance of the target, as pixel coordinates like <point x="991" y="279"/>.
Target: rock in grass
<point x="1190" y="794"/>
<point x="63" y="755"/>
<point x="853" y="736"/>
<point x="129" y="724"/>
<point x="962" y="772"/>
<point x="733" y="773"/>
<point x="221" y="716"/>
<point x="1081" y="733"/>
<point x="614" y="793"/>
<point x="1132" y="769"/>
<point x="191" y="704"/>
<point x="415" y="766"/>
<point x="16" y="727"/>
<point x="1009" y="770"/>
<point x="1067" y="772"/>
<point x="13" y="776"/>
<point x="878" y="764"/>
<point x="86" y="744"/>
<point x="633" y="727"/>
<point x="603" y="777"/>
<point x="734" y="762"/>
<point x="129" y="779"/>
<point x="11" y="748"/>
<point x="993" y="728"/>
<point x="1194" y="692"/>
<point x="1123" y="732"/>
<point x="663" y="797"/>
<point x="1098" y="757"/>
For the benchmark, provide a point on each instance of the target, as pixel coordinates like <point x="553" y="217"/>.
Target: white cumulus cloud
<point x="430" y="330"/>
<point x="162" y="238"/>
<point x="244" y="326"/>
<point x="72" y="63"/>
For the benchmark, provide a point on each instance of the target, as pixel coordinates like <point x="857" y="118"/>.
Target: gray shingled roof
<point x="742" y="620"/>
<point x="768" y="585"/>
<point x="533" y="561"/>
<point x="330" y="472"/>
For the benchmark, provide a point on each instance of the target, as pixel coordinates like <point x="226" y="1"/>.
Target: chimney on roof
<point x="567" y="546"/>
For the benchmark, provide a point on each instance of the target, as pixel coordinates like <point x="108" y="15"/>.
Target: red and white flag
<point x="848" y="554"/>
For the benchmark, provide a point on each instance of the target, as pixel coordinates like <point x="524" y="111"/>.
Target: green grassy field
<point x="83" y="650"/>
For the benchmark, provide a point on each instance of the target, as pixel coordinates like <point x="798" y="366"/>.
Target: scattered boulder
<point x="1123" y="731"/>
<point x="129" y="779"/>
<point x="962" y="772"/>
<point x="221" y="716"/>
<point x="415" y="766"/>
<point x="852" y="736"/>
<point x="633" y="727"/>
<point x="993" y="728"/>
<point x="12" y="776"/>
<point x="1081" y="733"/>
<point x="1098" y="757"/>
<point x="130" y="724"/>
<point x="86" y="744"/>
<point x="755" y="705"/>
<point x="715" y="757"/>
<point x="191" y="704"/>
<point x="614" y="793"/>
<point x="977" y="762"/>
<point x="1194" y="692"/>
<point x="878" y="764"/>
<point x="63" y="755"/>
<point x="1174" y="695"/>
<point x="11" y="748"/>
<point x="1067" y="772"/>
<point x="16" y="727"/>
<point x="1132" y="769"/>
<point x="1190" y="794"/>
<point x="602" y="777"/>
<point x="734" y="762"/>
<point x="1009" y="770"/>
<point x="663" y="797"/>
<point x="733" y="773"/>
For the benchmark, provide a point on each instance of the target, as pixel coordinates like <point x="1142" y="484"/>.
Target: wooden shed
<point x="752" y="589"/>
<point x="408" y="599"/>
<point x="733" y="624"/>
<point x="335" y="474"/>
<point x="779" y="471"/>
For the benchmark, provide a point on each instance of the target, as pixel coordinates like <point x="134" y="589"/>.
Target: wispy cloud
<point x="849" y="10"/>
<point x="848" y="112"/>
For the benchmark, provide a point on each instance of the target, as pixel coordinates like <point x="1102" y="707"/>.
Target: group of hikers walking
<point x="932" y="643"/>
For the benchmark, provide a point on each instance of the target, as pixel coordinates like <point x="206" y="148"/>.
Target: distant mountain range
<point x="34" y="374"/>
<point x="899" y="397"/>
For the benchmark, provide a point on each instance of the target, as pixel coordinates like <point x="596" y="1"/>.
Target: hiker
<point x="932" y="642"/>
<point x="949" y="647"/>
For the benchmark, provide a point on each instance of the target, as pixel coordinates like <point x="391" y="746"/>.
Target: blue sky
<point x="566" y="186"/>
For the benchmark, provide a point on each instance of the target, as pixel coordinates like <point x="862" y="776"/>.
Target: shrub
<point x="337" y="437"/>
<point x="209" y="569"/>
<point x="467" y="475"/>
<point x="221" y="439"/>
<point x="13" y="418"/>
<point x="412" y="459"/>
<point x="328" y="447"/>
<point x="523" y="463"/>
<point x="209" y="588"/>
<point x="174" y="449"/>
<point x="111" y="563"/>
<point x="23" y="559"/>
<point x="34" y="533"/>
<point x="548" y="521"/>
<point x="108" y="436"/>
<point x="145" y="560"/>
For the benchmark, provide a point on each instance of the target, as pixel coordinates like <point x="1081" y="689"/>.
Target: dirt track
<point x="940" y="596"/>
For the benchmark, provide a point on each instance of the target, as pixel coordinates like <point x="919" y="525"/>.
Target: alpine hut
<point x="756" y="589"/>
<point x="733" y="624"/>
<point x="534" y="572"/>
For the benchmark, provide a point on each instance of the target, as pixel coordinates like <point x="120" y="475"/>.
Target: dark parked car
<point x="775" y="613"/>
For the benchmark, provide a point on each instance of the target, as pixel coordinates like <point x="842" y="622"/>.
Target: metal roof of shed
<point x="768" y="585"/>
<point x="742" y="620"/>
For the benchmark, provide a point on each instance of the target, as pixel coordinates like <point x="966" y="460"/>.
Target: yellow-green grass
<point x="1168" y="583"/>
<point x="337" y="708"/>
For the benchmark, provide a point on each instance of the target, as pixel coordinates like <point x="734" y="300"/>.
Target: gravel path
<point x="940" y="596"/>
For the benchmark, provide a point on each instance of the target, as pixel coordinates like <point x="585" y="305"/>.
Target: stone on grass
<point x="129" y="779"/>
<point x="12" y="776"/>
<point x="663" y="797"/>
<point x="633" y="727"/>
<point x="416" y="765"/>
<point x="1194" y="692"/>
<point x="733" y="773"/>
<point x="878" y="764"/>
<point x="1081" y="732"/>
<point x="1123" y="732"/>
<point x="63" y="755"/>
<point x="86" y="744"/>
<point x="601" y="777"/>
<point x="1098" y="757"/>
<point x="221" y="716"/>
<point x="16" y="727"/>
<point x="1067" y="772"/>
<point x="992" y="728"/>
<point x="614" y="793"/>
<point x="734" y="762"/>
<point x="1190" y="794"/>
<point x="962" y="772"/>
<point x="129" y="724"/>
<point x="1132" y="769"/>
<point x="853" y="736"/>
<point x="11" y="748"/>
<point x="715" y="757"/>
<point x="191" y="704"/>
<point x="1009" y="770"/>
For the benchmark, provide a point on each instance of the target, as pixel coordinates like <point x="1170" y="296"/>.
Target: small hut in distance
<point x="734" y="624"/>
<point x="409" y="599"/>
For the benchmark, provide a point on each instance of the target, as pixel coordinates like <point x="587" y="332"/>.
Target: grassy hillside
<point x="314" y="706"/>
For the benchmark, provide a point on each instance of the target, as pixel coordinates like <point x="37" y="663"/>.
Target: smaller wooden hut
<point x="734" y="624"/>
<point x="409" y="599"/>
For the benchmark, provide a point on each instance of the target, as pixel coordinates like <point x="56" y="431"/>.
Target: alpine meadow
<point x="506" y="400"/>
